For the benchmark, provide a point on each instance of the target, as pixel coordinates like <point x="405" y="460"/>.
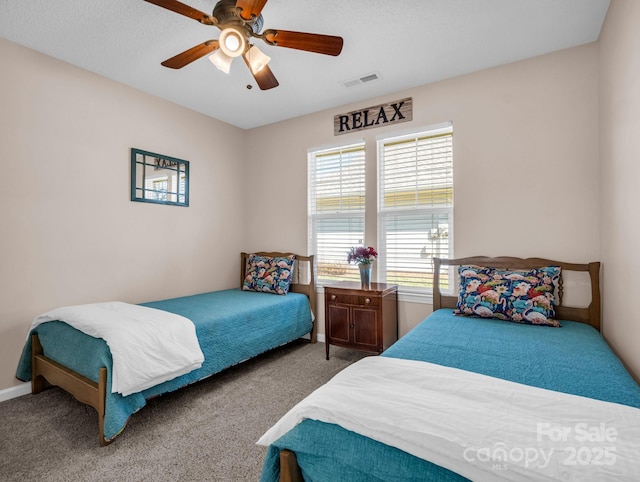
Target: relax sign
<point x="376" y="116"/>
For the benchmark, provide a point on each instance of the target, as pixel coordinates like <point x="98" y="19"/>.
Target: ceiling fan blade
<point x="310" y="42"/>
<point x="264" y="77"/>
<point x="250" y="8"/>
<point x="188" y="56"/>
<point x="185" y="10"/>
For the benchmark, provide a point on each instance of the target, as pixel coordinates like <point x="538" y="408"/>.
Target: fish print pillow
<point x="513" y="295"/>
<point x="268" y="274"/>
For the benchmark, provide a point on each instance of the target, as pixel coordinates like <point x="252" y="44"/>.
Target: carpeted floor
<point x="206" y="431"/>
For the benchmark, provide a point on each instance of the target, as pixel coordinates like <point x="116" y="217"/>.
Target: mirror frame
<point x="155" y="160"/>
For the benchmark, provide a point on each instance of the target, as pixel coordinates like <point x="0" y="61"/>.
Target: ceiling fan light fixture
<point x="233" y="42"/>
<point x="256" y="59"/>
<point x="221" y="60"/>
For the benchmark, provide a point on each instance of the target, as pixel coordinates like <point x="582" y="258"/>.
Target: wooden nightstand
<point x="363" y="319"/>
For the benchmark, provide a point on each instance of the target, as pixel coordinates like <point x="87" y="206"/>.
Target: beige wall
<point x="70" y="234"/>
<point x="619" y="77"/>
<point x="528" y="180"/>
<point x="525" y="161"/>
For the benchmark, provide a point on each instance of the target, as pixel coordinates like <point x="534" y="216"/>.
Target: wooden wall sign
<point x="376" y="116"/>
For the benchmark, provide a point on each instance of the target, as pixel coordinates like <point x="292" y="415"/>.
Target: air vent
<point x="361" y="80"/>
<point x="369" y="78"/>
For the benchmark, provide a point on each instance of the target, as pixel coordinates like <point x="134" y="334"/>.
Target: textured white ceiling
<point x="407" y="42"/>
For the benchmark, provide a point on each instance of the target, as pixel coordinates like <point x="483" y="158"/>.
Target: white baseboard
<point x="320" y="337"/>
<point x="15" y="392"/>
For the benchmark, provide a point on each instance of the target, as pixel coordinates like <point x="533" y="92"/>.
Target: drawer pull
<point x="367" y="301"/>
<point x="333" y="297"/>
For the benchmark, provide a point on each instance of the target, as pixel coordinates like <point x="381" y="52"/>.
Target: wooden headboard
<point x="589" y="314"/>
<point x="304" y="278"/>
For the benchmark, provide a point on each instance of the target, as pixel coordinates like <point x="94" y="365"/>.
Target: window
<point x="157" y="188"/>
<point x="336" y="208"/>
<point x="415" y="207"/>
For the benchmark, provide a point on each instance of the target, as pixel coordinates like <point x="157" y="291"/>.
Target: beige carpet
<point x="206" y="431"/>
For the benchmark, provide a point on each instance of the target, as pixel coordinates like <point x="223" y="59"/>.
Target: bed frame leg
<point x="38" y="382"/>
<point x="289" y="469"/>
<point x="101" y="408"/>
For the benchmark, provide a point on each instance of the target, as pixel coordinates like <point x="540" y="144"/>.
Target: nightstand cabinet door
<point x="339" y="324"/>
<point x="362" y="319"/>
<point x="365" y="329"/>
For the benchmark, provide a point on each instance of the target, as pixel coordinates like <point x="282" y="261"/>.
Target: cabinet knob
<point x="333" y="297"/>
<point x="367" y="301"/>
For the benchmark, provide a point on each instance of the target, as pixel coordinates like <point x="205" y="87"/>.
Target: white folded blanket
<point x="481" y="427"/>
<point x="148" y="346"/>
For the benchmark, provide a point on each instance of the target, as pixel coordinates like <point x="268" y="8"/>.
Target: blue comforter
<point x="231" y="325"/>
<point x="573" y="359"/>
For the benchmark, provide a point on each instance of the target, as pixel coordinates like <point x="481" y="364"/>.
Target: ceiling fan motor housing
<point x="227" y="15"/>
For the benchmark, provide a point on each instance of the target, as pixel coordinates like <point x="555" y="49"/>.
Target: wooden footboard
<point x="289" y="469"/>
<point x="45" y="372"/>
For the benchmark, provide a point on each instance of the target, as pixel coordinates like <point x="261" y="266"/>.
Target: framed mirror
<point x="159" y="179"/>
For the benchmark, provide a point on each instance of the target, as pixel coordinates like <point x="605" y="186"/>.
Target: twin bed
<point x="467" y="397"/>
<point x="457" y="398"/>
<point x="231" y="326"/>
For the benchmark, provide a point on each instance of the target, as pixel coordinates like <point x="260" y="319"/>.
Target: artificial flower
<point x="362" y="255"/>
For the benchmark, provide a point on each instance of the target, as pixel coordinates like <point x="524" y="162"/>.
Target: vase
<point x="365" y="275"/>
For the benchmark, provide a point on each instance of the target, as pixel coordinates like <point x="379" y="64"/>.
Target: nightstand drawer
<point x="360" y="300"/>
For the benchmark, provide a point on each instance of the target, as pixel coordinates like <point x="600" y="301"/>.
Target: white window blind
<point x="181" y="188"/>
<point x="157" y="188"/>
<point x="336" y="208"/>
<point x="415" y="207"/>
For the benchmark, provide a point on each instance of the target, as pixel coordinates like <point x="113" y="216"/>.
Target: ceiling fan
<point x="239" y="20"/>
